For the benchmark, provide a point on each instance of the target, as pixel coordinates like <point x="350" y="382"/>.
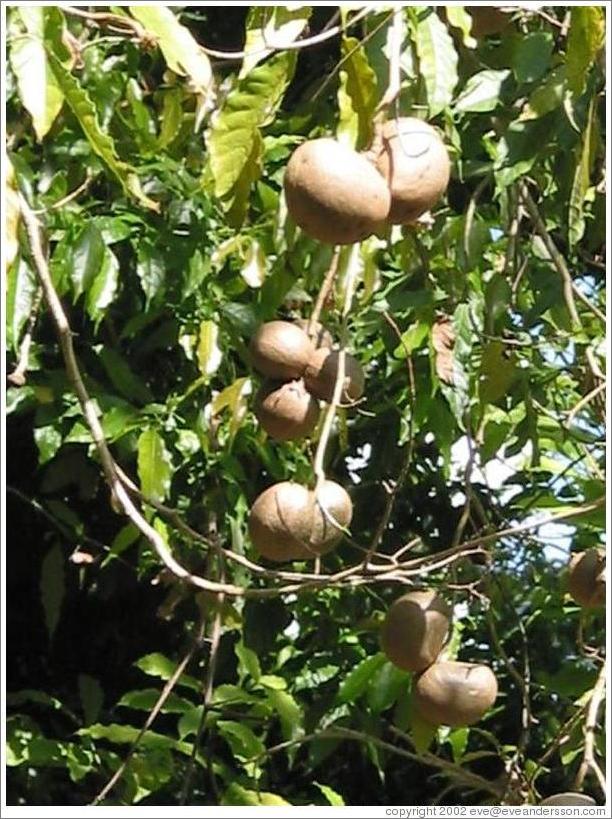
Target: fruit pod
<point x="319" y="335"/>
<point x="415" y="163"/>
<point x="321" y="373"/>
<point x="569" y="799"/>
<point x="454" y="693"/>
<point x="286" y="411"/>
<point x="414" y="630"/>
<point x="586" y="578"/>
<point x="333" y="193"/>
<point x="287" y="521"/>
<point x="280" y="350"/>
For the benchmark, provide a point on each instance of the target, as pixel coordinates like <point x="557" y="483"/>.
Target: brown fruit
<point x="416" y="166"/>
<point x="487" y="20"/>
<point x="320" y="335"/>
<point x="586" y="578"/>
<point x="333" y="193"/>
<point x="286" y="523"/>
<point x="320" y="376"/>
<point x="414" y="630"/>
<point x="569" y="799"/>
<point x="454" y="694"/>
<point x="286" y="411"/>
<point x="280" y="350"/>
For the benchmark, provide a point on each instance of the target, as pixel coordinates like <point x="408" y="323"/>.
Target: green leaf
<point x="237" y="795"/>
<point x="156" y="665"/>
<point x="145" y="700"/>
<point x="531" y="56"/>
<point x="482" y="91"/>
<point x="458" y="739"/>
<point x="154" y="465"/>
<point x="358" y="680"/>
<point x="270" y="28"/>
<point x="38" y="88"/>
<point x="48" y="440"/>
<point x="437" y="60"/>
<point x="249" y="106"/>
<point x="122" y="377"/>
<point x="243" y="742"/>
<point x="547" y="95"/>
<point x="357" y="95"/>
<point x="233" y="398"/>
<point x="171" y="117"/>
<point x="151" y="270"/>
<point x="385" y="686"/>
<point x="91" y="696"/>
<point x="22" y="286"/>
<point x="102" y="143"/>
<point x="330" y="794"/>
<point x="412" y="339"/>
<point x="87" y="259"/>
<point x="254" y="268"/>
<point x="458" y="17"/>
<point x="248" y="660"/>
<point x="208" y="352"/>
<point x="581" y="182"/>
<point x="52" y="586"/>
<point x="181" y="51"/>
<point x="290" y="713"/>
<point x="104" y="286"/>
<point x="585" y="39"/>
<point x="422" y="733"/>
<point x="497" y="372"/>
<point x="127" y="734"/>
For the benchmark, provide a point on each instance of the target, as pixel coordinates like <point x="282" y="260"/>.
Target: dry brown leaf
<point x="443" y="340"/>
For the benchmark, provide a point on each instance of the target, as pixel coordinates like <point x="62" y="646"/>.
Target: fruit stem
<point x="323" y="292"/>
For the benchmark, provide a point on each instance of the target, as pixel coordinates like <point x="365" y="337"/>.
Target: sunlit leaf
<point x="581" y="181"/>
<point x="459" y="17"/>
<point x="154" y="465"/>
<point x="585" y="39"/>
<point x="482" y="91"/>
<point x="357" y="95"/>
<point x="270" y="28"/>
<point x="254" y="268"/>
<point x="208" y="351"/>
<point x="20" y="295"/>
<point x="437" y="60"/>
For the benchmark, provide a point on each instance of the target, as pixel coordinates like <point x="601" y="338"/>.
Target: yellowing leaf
<point x="585" y="39"/>
<point x="85" y="111"/>
<point x="254" y="269"/>
<point x="37" y="85"/>
<point x="208" y="352"/>
<point x="581" y="182"/>
<point x="443" y="342"/>
<point x="181" y="51"/>
<point x="437" y="60"/>
<point x="459" y="18"/>
<point x="269" y="28"/>
<point x="233" y="398"/>
<point x="357" y="95"/>
<point x="11" y="226"/>
<point x="247" y="107"/>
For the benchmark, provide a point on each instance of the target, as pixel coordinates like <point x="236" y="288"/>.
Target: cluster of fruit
<point x="445" y="692"/>
<point x="340" y="196"/>
<point x="289" y="521"/>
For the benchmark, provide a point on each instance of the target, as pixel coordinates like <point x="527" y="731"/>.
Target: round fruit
<point x="416" y="166"/>
<point x="414" y="630"/>
<point x="586" y="578"/>
<point x="321" y="372"/>
<point x="452" y="693"/>
<point x="286" y="411"/>
<point x="333" y="193"/>
<point x="286" y="522"/>
<point x="569" y="799"/>
<point x="280" y="350"/>
<point x="320" y="335"/>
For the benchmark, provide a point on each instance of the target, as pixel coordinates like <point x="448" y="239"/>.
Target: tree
<point x="153" y="656"/>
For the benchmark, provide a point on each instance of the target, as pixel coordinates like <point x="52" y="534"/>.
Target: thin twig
<point x="70" y="197"/>
<point x="323" y="293"/>
<point x="165" y="693"/>
<point x="589" y="762"/>
<point x="18" y="376"/>
<point x="583" y="402"/>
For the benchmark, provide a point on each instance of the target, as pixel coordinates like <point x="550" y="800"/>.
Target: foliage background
<point x="174" y="247"/>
